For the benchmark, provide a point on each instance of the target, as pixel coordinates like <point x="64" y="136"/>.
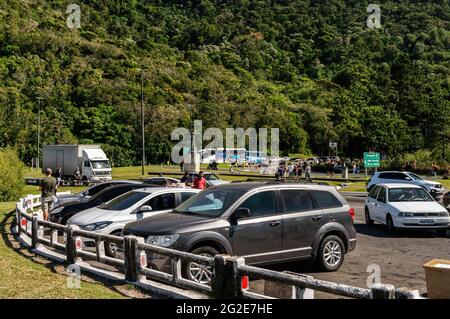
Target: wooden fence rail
<point x="229" y="272"/>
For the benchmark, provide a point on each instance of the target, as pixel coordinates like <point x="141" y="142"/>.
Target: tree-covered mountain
<point x="311" y="68"/>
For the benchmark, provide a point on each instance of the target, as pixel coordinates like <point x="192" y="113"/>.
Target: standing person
<point x="331" y="169"/>
<point x="182" y="165"/>
<point x="48" y="189"/>
<point x="354" y="168"/>
<point x="77" y="175"/>
<point x="434" y="170"/>
<point x="308" y="172"/>
<point x="299" y="171"/>
<point x="199" y="181"/>
<point x="58" y="176"/>
<point x="185" y="178"/>
<point x="291" y="170"/>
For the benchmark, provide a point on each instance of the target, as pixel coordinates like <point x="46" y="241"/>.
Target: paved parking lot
<point x="399" y="257"/>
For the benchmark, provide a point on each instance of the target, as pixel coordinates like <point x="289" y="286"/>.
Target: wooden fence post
<point x="71" y="246"/>
<point x="226" y="283"/>
<point x="34" y="231"/>
<point x="18" y="221"/>
<point x="131" y="258"/>
<point x="383" y="291"/>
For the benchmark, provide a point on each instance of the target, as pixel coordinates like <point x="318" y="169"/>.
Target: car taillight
<point x="351" y="212"/>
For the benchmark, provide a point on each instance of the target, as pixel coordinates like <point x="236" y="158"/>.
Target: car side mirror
<point x="145" y="209"/>
<point x="408" y="178"/>
<point x="240" y="213"/>
<point x="382" y="199"/>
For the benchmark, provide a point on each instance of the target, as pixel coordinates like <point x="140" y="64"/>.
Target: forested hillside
<point x="312" y="68"/>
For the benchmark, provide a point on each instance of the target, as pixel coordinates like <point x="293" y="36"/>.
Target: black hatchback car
<point x="62" y="213"/>
<point x="264" y="223"/>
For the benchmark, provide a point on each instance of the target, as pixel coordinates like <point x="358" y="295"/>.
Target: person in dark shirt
<point x="48" y="189"/>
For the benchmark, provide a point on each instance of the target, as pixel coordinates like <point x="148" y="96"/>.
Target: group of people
<point x="294" y="171"/>
<point x="199" y="181"/>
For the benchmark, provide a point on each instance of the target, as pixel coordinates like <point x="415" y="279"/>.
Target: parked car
<point x="446" y="200"/>
<point x="264" y="223"/>
<point x="405" y="206"/>
<point x="434" y="188"/>
<point x="91" y="191"/>
<point x="62" y="213"/>
<point x="111" y="217"/>
<point x="161" y="181"/>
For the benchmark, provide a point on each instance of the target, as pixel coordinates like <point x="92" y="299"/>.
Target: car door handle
<point x="317" y="217"/>
<point x="275" y="223"/>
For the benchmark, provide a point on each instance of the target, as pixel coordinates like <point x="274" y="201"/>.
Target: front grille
<point x="426" y="214"/>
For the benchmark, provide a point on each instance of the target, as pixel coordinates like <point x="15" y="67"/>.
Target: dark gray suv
<point x="264" y="223"/>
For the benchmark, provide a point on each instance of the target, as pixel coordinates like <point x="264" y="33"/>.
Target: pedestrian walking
<point x="77" y="175"/>
<point x="48" y="189"/>
<point x="299" y="170"/>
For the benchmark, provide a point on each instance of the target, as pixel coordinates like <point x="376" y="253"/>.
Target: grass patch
<point x="21" y="277"/>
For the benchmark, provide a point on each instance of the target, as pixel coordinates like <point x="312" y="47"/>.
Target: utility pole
<point x="142" y="122"/>
<point x="39" y="131"/>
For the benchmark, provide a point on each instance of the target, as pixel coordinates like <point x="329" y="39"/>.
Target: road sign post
<point x="371" y="160"/>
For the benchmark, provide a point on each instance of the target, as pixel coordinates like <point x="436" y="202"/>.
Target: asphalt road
<point x="399" y="257"/>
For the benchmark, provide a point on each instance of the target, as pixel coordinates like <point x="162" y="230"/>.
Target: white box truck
<point x="90" y="159"/>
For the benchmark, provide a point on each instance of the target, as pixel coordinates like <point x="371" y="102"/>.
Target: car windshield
<point x="211" y="177"/>
<point x="409" y="195"/>
<point x="100" y="164"/>
<point x="414" y="176"/>
<point x="210" y="203"/>
<point x="124" y="201"/>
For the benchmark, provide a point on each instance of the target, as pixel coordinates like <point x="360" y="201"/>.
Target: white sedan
<point x="111" y="217"/>
<point x="405" y="206"/>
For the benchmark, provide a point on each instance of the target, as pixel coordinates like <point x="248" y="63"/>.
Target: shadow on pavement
<point x="380" y="231"/>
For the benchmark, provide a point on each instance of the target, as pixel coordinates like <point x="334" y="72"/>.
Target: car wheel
<point x="369" y="221"/>
<point x="441" y="232"/>
<point x="198" y="272"/>
<point x="390" y="225"/>
<point x="331" y="253"/>
<point x="112" y="249"/>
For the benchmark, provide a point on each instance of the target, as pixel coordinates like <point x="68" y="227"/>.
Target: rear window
<point x="296" y="200"/>
<point x="325" y="199"/>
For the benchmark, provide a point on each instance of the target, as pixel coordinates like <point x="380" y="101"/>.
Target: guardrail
<point x="230" y="274"/>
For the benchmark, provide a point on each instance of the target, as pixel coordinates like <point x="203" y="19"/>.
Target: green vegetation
<point x="22" y="277"/>
<point x="311" y="68"/>
<point x="11" y="177"/>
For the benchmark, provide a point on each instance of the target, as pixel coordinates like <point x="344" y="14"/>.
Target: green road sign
<point x="371" y="159"/>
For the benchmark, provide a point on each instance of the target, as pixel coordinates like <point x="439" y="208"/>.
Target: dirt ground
<point x="399" y="257"/>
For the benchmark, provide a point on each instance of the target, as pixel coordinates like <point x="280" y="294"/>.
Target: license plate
<point x="426" y="221"/>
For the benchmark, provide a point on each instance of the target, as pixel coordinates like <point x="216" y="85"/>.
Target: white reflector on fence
<point x="78" y="243"/>
<point x="143" y="259"/>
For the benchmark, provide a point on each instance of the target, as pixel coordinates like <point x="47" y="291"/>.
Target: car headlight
<point x="430" y="185"/>
<point x="443" y="214"/>
<point x="96" y="226"/>
<point x="57" y="210"/>
<point x="405" y="214"/>
<point x="162" y="241"/>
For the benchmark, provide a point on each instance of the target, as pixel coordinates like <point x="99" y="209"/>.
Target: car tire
<point x="391" y="229"/>
<point x="331" y="253"/>
<point x="441" y="232"/>
<point x="110" y="250"/>
<point x="369" y="221"/>
<point x="196" y="272"/>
